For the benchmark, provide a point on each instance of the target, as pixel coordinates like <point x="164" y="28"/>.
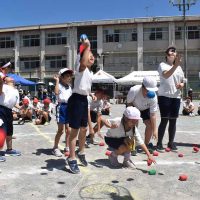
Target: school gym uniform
<point x="78" y="103"/>
<point x="62" y="108"/>
<point x="8" y="99"/>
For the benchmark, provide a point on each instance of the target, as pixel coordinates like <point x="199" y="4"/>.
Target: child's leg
<point x="72" y="142"/>
<point x="58" y="135"/>
<point x="67" y="134"/>
<point x="46" y="116"/>
<point x="82" y="138"/>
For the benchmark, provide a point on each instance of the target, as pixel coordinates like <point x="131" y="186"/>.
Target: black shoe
<point x="82" y="158"/>
<point x="173" y="147"/>
<point x="134" y="152"/>
<point x="73" y="167"/>
<point x="160" y="148"/>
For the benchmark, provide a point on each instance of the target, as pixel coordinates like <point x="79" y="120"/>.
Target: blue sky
<point x="30" y="12"/>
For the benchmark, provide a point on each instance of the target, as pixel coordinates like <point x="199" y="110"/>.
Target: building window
<point x="7" y="42"/>
<point x="30" y="40"/>
<point x="30" y="63"/>
<point x="55" y="62"/>
<point x="160" y="33"/>
<point x="193" y="32"/>
<point x="56" y="39"/>
<point x="121" y="35"/>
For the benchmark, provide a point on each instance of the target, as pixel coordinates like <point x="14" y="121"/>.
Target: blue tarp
<point x="20" y="80"/>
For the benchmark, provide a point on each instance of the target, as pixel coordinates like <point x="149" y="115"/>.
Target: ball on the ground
<point x="180" y="155"/>
<point x="155" y="153"/>
<point x="101" y="144"/>
<point x="183" y="177"/>
<point x="67" y="153"/>
<point x="108" y="153"/>
<point x="196" y="149"/>
<point x="149" y="162"/>
<point x="167" y="149"/>
<point x="152" y="172"/>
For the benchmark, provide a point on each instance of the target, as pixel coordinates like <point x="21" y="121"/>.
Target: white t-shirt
<point x="83" y="82"/>
<point x="95" y="105"/>
<point x="187" y="105"/>
<point x="168" y="86"/>
<point x="136" y="97"/>
<point x="64" y="93"/>
<point x="10" y="96"/>
<point x="119" y="131"/>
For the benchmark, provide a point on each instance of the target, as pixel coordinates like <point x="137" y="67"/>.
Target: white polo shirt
<point x="64" y="93"/>
<point x="136" y="97"/>
<point x="119" y="131"/>
<point x="83" y="82"/>
<point x="168" y="85"/>
<point x="95" y="105"/>
<point x="10" y="96"/>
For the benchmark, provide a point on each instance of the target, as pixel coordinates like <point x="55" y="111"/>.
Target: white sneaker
<point x="57" y="152"/>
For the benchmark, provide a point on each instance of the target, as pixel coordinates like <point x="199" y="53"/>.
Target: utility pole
<point x="183" y="6"/>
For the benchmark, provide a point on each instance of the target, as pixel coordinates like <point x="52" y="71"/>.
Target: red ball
<point x="167" y="149"/>
<point x="196" y="149"/>
<point x="149" y="162"/>
<point x="180" y="155"/>
<point x="183" y="177"/>
<point x="67" y="153"/>
<point x="155" y="153"/>
<point x="101" y="144"/>
<point x="2" y="137"/>
<point x="108" y="153"/>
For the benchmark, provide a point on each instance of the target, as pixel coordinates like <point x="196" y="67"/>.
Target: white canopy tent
<point x="136" y="77"/>
<point x="103" y="77"/>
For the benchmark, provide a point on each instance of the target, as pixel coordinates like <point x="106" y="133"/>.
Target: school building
<point x="120" y="46"/>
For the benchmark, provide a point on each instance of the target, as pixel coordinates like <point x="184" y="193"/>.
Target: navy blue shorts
<point x="62" y="113"/>
<point x="115" y="143"/>
<point x="78" y="111"/>
<point x="93" y="115"/>
<point x="169" y="107"/>
<point x="145" y="114"/>
<point x="7" y="117"/>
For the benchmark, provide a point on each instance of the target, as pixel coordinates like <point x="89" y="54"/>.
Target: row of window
<point x="50" y="62"/>
<point x="124" y="35"/>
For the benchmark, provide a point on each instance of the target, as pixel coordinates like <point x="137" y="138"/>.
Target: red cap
<point x="35" y="100"/>
<point x="25" y="101"/>
<point x="46" y="101"/>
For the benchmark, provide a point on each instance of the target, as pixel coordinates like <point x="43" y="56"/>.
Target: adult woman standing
<point x="169" y="96"/>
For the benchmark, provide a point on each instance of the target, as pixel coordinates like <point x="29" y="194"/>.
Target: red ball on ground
<point x="67" y="153"/>
<point x="196" y="149"/>
<point x="2" y="137"/>
<point x="149" y="162"/>
<point x="155" y="153"/>
<point x="108" y="153"/>
<point x="180" y="155"/>
<point x="101" y="144"/>
<point x="167" y="149"/>
<point x="183" y="177"/>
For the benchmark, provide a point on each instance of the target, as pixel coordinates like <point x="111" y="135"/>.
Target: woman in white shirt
<point x="169" y="96"/>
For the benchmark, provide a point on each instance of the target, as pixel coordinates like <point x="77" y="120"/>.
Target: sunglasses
<point x="172" y="50"/>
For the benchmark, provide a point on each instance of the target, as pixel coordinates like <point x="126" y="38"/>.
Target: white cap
<point x="150" y="83"/>
<point x="64" y="70"/>
<point x="6" y="65"/>
<point x="132" y="113"/>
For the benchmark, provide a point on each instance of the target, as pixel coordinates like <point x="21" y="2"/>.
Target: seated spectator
<point x="188" y="107"/>
<point x="25" y="111"/>
<point x="36" y="107"/>
<point x="45" y="113"/>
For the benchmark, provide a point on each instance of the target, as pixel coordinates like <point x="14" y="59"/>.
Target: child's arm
<point x="56" y="90"/>
<point x="150" y="157"/>
<point x="1" y="85"/>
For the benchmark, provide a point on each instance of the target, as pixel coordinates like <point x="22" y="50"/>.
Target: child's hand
<point x="56" y="77"/>
<point x="150" y="157"/>
<point x="114" y="126"/>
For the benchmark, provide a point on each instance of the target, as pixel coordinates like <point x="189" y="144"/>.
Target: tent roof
<point x="20" y="80"/>
<point x="136" y="77"/>
<point x="103" y="77"/>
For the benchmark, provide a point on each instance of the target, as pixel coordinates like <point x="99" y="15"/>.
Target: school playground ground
<point x="38" y="175"/>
